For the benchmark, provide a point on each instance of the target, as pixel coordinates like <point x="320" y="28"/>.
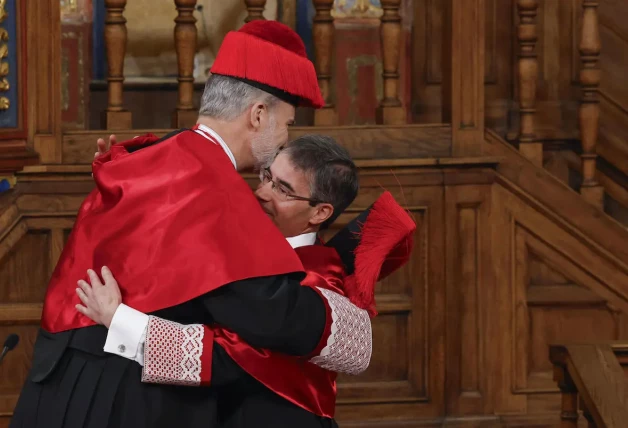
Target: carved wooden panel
<point x="469" y="282"/>
<point x="555" y="288"/>
<point x="32" y="245"/>
<point x="23" y="270"/>
<point x="406" y="364"/>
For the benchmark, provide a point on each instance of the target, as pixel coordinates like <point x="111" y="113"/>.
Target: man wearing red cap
<point x="190" y="244"/>
<point x="270" y="389"/>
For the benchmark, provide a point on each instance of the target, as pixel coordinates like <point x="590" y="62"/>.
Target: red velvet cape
<point x="173" y="221"/>
<point x="297" y="380"/>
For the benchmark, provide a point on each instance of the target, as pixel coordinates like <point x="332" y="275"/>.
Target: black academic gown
<point x="74" y="384"/>
<point x="247" y="403"/>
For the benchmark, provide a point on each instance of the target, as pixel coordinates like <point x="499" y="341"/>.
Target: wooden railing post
<point x="589" y="112"/>
<point x="323" y="33"/>
<point x="590" y="377"/>
<point x="115" y="117"/>
<point x="587" y="414"/>
<point x="185" y="37"/>
<point x="569" y="397"/>
<point x="42" y="64"/>
<point x="255" y="9"/>
<point x="463" y="74"/>
<point x="390" y="110"/>
<point x="529" y="146"/>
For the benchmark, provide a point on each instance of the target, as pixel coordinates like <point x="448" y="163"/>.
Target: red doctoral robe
<point x="170" y="220"/>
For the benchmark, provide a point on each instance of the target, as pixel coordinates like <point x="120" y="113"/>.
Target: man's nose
<point x="264" y="192"/>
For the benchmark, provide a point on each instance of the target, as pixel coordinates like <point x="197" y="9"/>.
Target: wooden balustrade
<point x="115" y="117"/>
<point x="527" y="69"/>
<point x="391" y="111"/>
<point x="185" y="38"/>
<point x="589" y="113"/>
<point x="323" y="34"/>
<point x="591" y="374"/>
<point x="255" y="9"/>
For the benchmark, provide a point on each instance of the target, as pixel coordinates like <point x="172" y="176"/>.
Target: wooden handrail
<point x="592" y="373"/>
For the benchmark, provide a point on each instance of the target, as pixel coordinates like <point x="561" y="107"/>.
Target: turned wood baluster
<point x="529" y="146"/>
<point x="589" y="112"/>
<point x="255" y="9"/>
<point x="323" y="32"/>
<point x="390" y="110"/>
<point x="115" y="117"/>
<point x="587" y="415"/>
<point x="569" y="398"/>
<point x="185" y="37"/>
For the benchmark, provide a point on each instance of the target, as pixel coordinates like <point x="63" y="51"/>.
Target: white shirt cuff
<point x="127" y="334"/>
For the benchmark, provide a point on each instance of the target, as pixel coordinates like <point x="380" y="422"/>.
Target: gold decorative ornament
<point x="3" y="12"/>
<point x="4" y="53"/>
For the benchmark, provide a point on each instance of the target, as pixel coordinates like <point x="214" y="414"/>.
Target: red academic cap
<point x="270" y="56"/>
<point x="372" y="246"/>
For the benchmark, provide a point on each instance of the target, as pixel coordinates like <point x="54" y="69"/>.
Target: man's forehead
<point x="283" y="169"/>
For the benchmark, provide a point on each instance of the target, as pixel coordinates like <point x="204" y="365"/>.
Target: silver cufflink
<point x="121" y="348"/>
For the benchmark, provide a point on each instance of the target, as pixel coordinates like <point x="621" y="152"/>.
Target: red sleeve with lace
<point x="177" y="354"/>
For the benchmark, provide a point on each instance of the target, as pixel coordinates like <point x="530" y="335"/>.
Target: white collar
<point x="302" y="240"/>
<point x="206" y="129"/>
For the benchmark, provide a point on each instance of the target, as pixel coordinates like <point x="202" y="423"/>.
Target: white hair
<point x="226" y="98"/>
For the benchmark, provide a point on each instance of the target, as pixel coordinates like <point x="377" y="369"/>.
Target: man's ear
<point x="258" y="113"/>
<point x="321" y="213"/>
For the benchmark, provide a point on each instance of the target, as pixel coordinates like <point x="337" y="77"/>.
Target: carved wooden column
<point x="390" y="110"/>
<point x="323" y="32"/>
<point x="185" y="36"/>
<point x="115" y="117"/>
<point x="529" y="146"/>
<point x="255" y="9"/>
<point x="589" y="113"/>
<point x="463" y="74"/>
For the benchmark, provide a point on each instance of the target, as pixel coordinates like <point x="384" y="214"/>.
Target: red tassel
<point x="249" y="57"/>
<point x="385" y="245"/>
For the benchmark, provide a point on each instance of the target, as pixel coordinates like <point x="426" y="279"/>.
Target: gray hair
<point x="333" y="175"/>
<point x="226" y="98"/>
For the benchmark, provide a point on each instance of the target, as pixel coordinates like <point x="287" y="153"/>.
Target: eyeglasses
<point x="280" y="190"/>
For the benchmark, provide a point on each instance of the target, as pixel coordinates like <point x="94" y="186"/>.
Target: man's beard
<point x="263" y="147"/>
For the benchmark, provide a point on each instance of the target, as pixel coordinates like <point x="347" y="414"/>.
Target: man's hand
<point x="101" y="301"/>
<point x="104" y="147"/>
